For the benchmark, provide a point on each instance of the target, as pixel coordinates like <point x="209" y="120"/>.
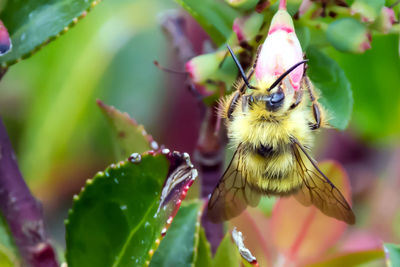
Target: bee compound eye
<point x="277" y="97"/>
<point x="274" y="101"/>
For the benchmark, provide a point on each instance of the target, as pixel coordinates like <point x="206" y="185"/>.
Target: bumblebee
<point x="272" y="127"/>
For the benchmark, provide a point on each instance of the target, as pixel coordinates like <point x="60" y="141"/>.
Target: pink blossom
<point x="280" y="51"/>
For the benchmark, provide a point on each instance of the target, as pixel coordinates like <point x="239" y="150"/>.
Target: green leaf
<point x="8" y="251"/>
<point x="374" y="77"/>
<point x="131" y="136"/>
<point x="243" y="5"/>
<point x="203" y="251"/>
<point x="85" y="64"/>
<point x="179" y="247"/>
<point x="369" y="9"/>
<point x="122" y="214"/>
<point x="330" y="79"/>
<point x="348" y="35"/>
<point x="215" y="17"/>
<point x="392" y="252"/>
<point x="33" y="24"/>
<point x="227" y="253"/>
<point x="352" y="259"/>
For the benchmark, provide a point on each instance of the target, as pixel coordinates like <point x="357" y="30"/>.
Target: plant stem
<point x="209" y="156"/>
<point x="209" y="152"/>
<point x="21" y="210"/>
<point x="2" y="72"/>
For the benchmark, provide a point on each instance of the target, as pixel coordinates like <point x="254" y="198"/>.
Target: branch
<point x="21" y="210"/>
<point x="209" y="152"/>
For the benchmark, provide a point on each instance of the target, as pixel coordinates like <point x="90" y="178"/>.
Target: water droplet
<point x="154" y="145"/>
<point x="116" y="181"/>
<point x="163" y="232"/>
<point x="165" y="151"/>
<point x="123" y="207"/>
<point x="23" y="36"/>
<point x="142" y="242"/>
<point x="151" y="252"/>
<point x="147" y="224"/>
<point x="169" y="221"/>
<point x="135" y="158"/>
<point x="137" y="260"/>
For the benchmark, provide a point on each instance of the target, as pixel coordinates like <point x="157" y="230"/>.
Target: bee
<point x="272" y="128"/>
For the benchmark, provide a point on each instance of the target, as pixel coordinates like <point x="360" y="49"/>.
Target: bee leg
<point x="232" y="104"/>
<point x="298" y="95"/>
<point x="317" y="116"/>
<point x="315" y="105"/>
<point x="257" y="55"/>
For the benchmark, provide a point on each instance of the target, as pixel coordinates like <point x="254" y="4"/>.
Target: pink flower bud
<point x="5" y="41"/>
<point x="385" y="20"/>
<point x="280" y="51"/>
<point x="246" y="28"/>
<point x="203" y="67"/>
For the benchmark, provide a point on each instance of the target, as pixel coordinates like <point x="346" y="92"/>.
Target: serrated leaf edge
<point x="73" y="22"/>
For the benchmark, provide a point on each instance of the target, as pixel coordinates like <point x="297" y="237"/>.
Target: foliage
<point x="134" y="211"/>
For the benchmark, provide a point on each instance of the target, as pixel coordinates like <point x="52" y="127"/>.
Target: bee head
<point x="275" y="100"/>
<point x="276" y="97"/>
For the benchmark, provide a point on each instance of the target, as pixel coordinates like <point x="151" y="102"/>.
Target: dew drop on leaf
<point x="154" y="145"/>
<point x="135" y="158"/>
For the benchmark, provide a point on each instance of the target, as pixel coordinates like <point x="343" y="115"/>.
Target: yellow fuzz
<point x="249" y="128"/>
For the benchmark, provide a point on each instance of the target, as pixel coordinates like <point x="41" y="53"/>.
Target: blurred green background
<point x="61" y="137"/>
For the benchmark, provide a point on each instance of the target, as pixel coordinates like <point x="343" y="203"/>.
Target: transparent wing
<point x="317" y="189"/>
<point x="232" y="194"/>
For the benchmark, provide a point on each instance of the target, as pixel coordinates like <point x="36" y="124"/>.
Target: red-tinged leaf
<point x="303" y="233"/>
<point x="256" y="232"/>
<point x="180" y="245"/>
<point x="360" y="240"/>
<point x="121" y="215"/>
<point x="353" y="259"/>
<point x="227" y="254"/>
<point x="33" y="24"/>
<point x="131" y="136"/>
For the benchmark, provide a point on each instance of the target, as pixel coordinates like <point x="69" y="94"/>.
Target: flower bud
<point x="203" y="67"/>
<point x="368" y="9"/>
<point x="280" y="51"/>
<point x="349" y="35"/>
<point x="246" y="28"/>
<point x="5" y="41"/>
<point x="243" y="4"/>
<point x="385" y="20"/>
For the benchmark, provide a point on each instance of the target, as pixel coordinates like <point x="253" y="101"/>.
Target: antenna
<point x="157" y="64"/>
<point x="240" y="68"/>
<point x="277" y="81"/>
